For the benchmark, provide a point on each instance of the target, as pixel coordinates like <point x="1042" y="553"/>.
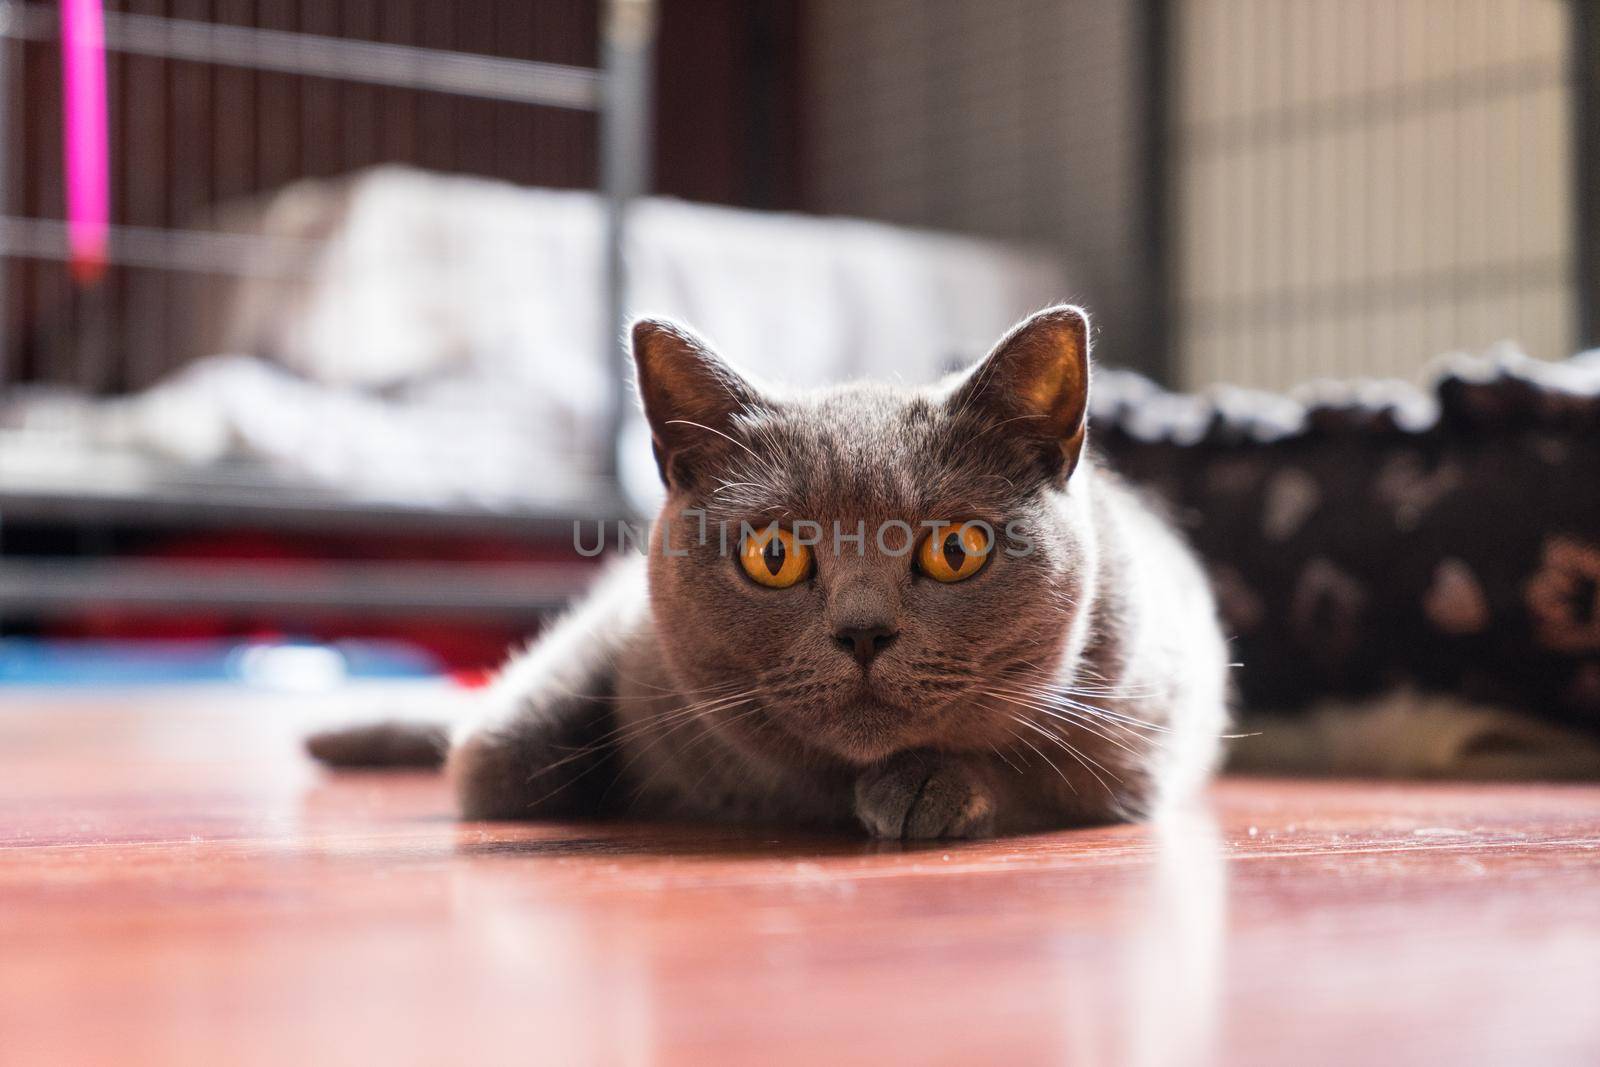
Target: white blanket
<point x="442" y="338"/>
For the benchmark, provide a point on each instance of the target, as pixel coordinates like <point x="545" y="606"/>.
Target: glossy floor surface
<point x="178" y="885"/>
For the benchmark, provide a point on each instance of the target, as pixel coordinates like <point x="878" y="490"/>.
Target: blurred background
<point x="309" y="309"/>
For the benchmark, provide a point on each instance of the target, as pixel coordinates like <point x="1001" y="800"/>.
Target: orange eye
<point x="774" y="559"/>
<point x="954" y="552"/>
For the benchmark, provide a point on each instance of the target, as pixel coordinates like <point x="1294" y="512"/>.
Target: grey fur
<point x="1080" y="681"/>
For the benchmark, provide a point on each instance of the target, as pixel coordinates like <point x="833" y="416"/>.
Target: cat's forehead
<point x="852" y="426"/>
<point x="865" y="449"/>
<point x="860" y="415"/>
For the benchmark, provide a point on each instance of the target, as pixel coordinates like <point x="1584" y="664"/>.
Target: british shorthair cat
<point x="928" y="611"/>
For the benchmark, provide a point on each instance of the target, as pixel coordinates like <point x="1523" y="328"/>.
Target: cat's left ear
<point x="692" y="399"/>
<point x="1035" y="385"/>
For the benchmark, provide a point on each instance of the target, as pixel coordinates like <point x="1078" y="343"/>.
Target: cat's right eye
<point x="954" y="553"/>
<point x="773" y="558"/>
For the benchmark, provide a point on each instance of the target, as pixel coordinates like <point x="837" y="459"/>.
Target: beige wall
<point x="1363" y="184"/>
<point x="1010" y="118"/>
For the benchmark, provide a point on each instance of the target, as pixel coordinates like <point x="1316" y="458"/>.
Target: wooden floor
<point x="177" y="885"/>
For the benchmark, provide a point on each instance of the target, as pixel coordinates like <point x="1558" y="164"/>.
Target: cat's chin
<point x="865" y="730"/>
<point x="863" y="750"/>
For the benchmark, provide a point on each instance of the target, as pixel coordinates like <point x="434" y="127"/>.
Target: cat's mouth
<point x="859" y="717"/>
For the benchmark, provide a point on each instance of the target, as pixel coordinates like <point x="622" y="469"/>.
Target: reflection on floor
<point x="177" y="884"/>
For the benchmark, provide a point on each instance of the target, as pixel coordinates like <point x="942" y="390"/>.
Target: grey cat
<point x="991" y="634"/>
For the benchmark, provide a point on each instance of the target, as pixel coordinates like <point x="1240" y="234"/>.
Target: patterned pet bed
<point x="1373" y="535"/>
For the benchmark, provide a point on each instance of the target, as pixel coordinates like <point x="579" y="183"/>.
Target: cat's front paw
<point x="920" y="795"/>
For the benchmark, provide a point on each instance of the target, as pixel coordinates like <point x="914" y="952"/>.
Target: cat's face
<point x="799" y="557"/>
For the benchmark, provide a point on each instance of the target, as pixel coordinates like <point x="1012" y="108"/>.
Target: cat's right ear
<point x="691" y="397"/>
<point x="1035" y="385"/>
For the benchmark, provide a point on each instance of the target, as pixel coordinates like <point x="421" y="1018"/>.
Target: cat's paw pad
<point x="922" y="795"/>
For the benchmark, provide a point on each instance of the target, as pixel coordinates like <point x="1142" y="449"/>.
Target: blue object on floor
<point x="292" y="665"/>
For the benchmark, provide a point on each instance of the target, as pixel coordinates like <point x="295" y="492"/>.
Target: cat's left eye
<point x="773" y="558"/>
<point x="954" y="552"/>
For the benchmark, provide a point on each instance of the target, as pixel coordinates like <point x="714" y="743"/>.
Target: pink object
<point x="83" y="72"/>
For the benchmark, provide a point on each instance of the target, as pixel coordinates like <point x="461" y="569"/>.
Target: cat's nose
<point x="865" y="642"/>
